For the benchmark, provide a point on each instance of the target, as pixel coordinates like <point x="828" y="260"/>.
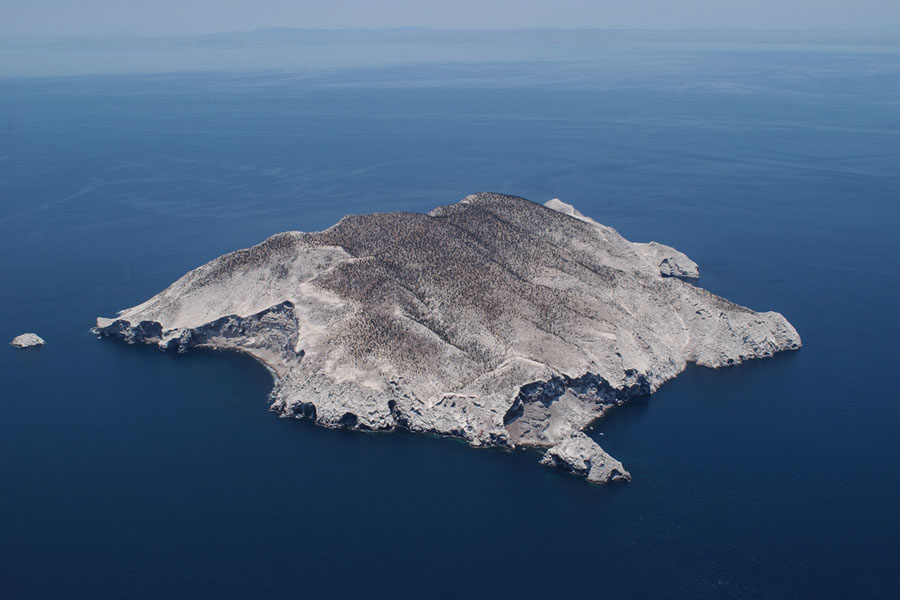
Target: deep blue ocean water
<point x="127" y="472"/>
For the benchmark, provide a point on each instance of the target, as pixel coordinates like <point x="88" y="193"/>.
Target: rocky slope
<point x="495" y="320"/>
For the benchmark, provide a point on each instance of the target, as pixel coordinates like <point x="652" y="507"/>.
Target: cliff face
<point x="495" y="320"/>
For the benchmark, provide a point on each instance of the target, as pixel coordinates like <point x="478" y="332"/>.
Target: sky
<point x="190" y="17"/>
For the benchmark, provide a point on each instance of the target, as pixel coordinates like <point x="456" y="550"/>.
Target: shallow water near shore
<point x="128" y="472"/>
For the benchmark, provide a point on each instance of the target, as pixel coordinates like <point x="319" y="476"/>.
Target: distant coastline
<point x="289" y="48"/>
<point x="416" y="35"/>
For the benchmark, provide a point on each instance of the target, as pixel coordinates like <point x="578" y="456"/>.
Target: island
<point x="27" y="340"/>
<point x="496" y="320"/>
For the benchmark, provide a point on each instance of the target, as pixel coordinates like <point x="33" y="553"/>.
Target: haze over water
<point x="133" y="473"/>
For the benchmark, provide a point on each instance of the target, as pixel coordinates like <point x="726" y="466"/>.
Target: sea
<point x="126" y="472"/>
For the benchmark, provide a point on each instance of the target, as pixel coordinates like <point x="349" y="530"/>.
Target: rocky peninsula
<point x="495" y="320"/>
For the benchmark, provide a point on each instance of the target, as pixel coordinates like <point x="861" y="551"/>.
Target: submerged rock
<point x="27" y="340"/>
<point x="495" y="320"/>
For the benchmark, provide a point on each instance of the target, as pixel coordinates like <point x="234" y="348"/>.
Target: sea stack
<point x="495" y="320"/>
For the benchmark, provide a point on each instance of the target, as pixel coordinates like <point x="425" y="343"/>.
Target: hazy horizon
<point x="299" y="49"/>
<point x="761" y="32"/>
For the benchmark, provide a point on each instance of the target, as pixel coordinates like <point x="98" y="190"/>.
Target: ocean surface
<point x="130" y="473"/>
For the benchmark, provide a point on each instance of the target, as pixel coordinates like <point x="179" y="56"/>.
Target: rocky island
<point x="27" y="340"/>
<point x="495" y="320"/>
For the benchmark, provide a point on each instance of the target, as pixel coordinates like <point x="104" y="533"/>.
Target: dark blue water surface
<point x="127" y="472"/>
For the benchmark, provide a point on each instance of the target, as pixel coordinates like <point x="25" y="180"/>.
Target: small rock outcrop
<point x="495" y="320"/>
<point x="583" y="456"/>
<point x="27" y="340"/>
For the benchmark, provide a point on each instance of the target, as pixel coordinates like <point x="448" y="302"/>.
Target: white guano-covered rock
<point x="495" y="320"/>
<point x="27" y="340"/>
<point x="581" y="455"/>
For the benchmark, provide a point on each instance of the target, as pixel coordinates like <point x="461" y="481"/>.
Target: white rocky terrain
<point x="495" y="320"/>
<point x="27" y="340"/>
